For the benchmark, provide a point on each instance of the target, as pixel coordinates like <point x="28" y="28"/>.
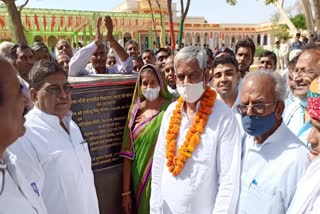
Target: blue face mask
<point x="258" y="125"/>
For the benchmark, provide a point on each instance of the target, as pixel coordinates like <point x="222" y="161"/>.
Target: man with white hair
<point x="5" y="48"/>
<point x="273" y="158"/>
<point x="196" y="163"/>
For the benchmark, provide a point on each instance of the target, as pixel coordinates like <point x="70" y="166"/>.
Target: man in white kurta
<point x="273" y="158"/>
<point x="54" y="146"/>
<point x="17" y="195"/>
<point x="306" y="200"/>
<point x="96" y="53"/>
<point x="209" y="180"/>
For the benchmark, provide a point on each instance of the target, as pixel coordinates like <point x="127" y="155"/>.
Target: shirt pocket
<point x="258" y="200"/>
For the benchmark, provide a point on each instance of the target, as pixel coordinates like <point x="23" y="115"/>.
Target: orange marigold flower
<point x="199" y="128"/>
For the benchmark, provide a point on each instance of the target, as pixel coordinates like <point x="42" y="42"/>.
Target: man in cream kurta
<point x="209" y="180"/>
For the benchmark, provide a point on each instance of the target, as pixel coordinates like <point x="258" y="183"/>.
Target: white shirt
<point x="18" y="195"/>
<point x="306" y="200"/>
<point x="67" y="184"/>
<point x="284" y="49"/>
<point x="78" y="63"/>
<point x="26" y="91"/>
<point x="270" y="172"/>
<point x="293" y="117"/>
<point x="209" y="181"/>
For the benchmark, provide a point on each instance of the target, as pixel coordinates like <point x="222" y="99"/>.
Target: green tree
<point x="15" y="17"/>
<point x="299" y="21"/>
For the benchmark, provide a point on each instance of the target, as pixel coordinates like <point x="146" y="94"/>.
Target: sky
<point x="214" y="11"/>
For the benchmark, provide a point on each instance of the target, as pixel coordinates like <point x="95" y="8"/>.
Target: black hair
<point x="225" y="59"/>
<point x="13" y="51"/>
<point x="209" y="52"/>
<point x="269" y="54"/>
<point x="147" y="51"/>
<point x="1" y="93"/>
<point x="41" y="69"/>
<point x="148" y="68"/>
<point x="227" y="51"/>
<point x="246" y="43"/>
<point x="161" y="50"/>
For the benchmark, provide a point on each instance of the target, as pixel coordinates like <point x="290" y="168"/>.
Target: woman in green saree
<point x="150" y="100"/>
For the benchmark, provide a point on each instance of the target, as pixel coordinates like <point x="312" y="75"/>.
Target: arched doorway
<point x="52" y="41"/>
<point x="188" y="39"/>
<point x="259" y="39"/>
<point x="126" y="37"/>
<point x="206" y="39"/>
<point x="197" y="39"/>
<point x="38" y="39"/>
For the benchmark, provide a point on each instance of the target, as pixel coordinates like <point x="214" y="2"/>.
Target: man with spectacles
<point x="273" y="158"/>
<point x="306" y="200"/>
<point x="295" y="114"/>
<point x="16" y="193"/>
<point x="53" y="144"/>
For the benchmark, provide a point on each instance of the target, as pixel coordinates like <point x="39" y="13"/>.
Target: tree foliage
<point x="299" y="21"/>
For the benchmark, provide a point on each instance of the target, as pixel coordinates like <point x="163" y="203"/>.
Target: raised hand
<point x="99" y="36"/>
<point x="109" y="25"/>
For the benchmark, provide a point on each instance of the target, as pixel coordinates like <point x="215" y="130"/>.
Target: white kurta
<point x="209" y="181"/>
<point x="67" y="184"/>
<point x="306" y="200"/>
<point x="18" y="195"/>
<point x="79" y="63"/>
<point x="270" y="172"/>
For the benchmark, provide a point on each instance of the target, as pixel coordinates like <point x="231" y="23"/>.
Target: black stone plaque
<point x="100" y="110"/>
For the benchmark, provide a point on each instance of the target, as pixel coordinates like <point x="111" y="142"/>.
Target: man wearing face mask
<point x="306" y="200"/>
<point x="295" y="114"/>
<point x="273" y="159"/>
<point x="196" y="164"/>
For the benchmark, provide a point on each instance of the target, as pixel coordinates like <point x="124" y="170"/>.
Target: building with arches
<point x="132" y="20"/>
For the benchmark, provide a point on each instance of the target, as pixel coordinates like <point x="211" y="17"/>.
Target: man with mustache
<point x="245" y="50"/>
<point x="273" y="158"/>
<point x="96" y="53"/>
<point x="54" y="145"/>
<point x="169" y="76"/>
<point x="307" y="197"/>
<point x="16" y="193"/>
<point x="306" y="70"/>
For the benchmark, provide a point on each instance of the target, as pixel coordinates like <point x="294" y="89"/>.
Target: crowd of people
<point x="203" y="134"/>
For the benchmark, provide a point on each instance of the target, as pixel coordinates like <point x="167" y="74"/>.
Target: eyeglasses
<point x="257" y="109"/>
<point x="56" y="90"/>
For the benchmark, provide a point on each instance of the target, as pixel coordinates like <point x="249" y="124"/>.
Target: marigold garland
<point x="176" y="163"/>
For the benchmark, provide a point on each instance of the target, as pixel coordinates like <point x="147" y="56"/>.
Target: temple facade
<point x="133" y="19"/>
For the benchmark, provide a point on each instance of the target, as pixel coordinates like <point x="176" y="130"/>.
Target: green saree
<point x="139" y="143"/>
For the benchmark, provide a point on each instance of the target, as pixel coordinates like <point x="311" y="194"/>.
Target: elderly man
<point x="267" y="61"/>
<point x="54" y="142"/>
<point x="132" y="48"/>
<point x="63" y="60"/>
<point x="16" y="194"/>
<point x="63" y="47"/>
<point x="40" y="51"/>
<point x="226" y="78"/>
<point x="273" y="159"/>
<point x="5" y="47"/>
<point x="306" y="70"/>
<point x="245" y="50"/>
<point x="191" y="172"/>
<point x="169" y="76"/>
<point x="96" y="53"/>
<point x="306" y="200"/>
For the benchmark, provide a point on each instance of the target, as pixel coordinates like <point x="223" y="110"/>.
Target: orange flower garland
<point x="176" y="163"/>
